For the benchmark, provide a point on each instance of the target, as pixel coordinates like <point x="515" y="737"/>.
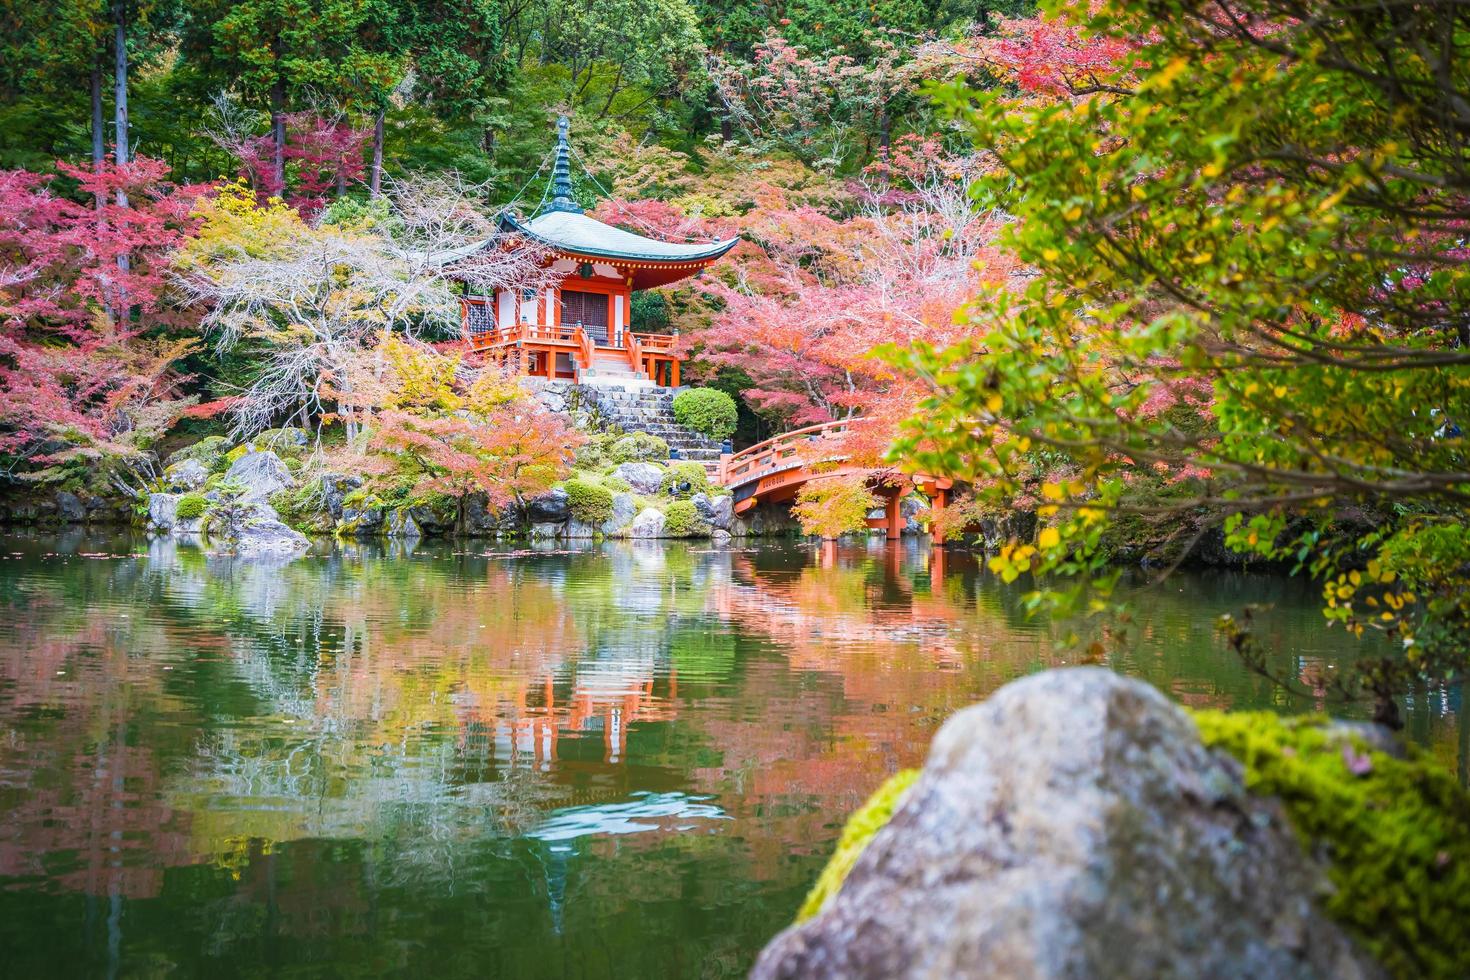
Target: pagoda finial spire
<point x="561" y="173"/>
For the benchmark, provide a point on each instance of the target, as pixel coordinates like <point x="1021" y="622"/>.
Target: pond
<point x="458" y="760"/>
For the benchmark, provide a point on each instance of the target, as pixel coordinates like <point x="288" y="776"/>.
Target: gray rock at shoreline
<point x="719" y="538"/>
<point x="261" y="474"/>
<point x="400" y="524"/>
<point x="1073" y="825"/>
<point x="551" y="507"/>
<point x="722" y="512"/>
<point x="648" y="524"/>
<point x="335" y="488"/>
<point x="251" y="528"/>
<point x="163" y="511"/>
<point x="69" y="508"/>
<point x="646" y="478"/>
<point x="624" y="509"/>
<point x="363" y="522"/>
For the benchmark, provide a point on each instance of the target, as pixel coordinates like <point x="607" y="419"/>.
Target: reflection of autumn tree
<point x="82" y="769"/>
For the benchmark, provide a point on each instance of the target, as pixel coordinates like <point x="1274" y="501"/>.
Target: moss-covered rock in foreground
<point x="1394" y="832"/>
<point x="865" y="821"/>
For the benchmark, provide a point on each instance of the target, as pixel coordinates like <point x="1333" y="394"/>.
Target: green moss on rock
<point x="190" y="506"/>
<point x="639" y="447"/>
<point x="684" y="480"/>
<point x="682" y="520"/>
<point x="589" y="502"/>
<point x="866" y="821"/>
<point x="1395" y="833"/>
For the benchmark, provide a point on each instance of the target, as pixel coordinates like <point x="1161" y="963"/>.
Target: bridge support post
<point x="893" y="518"/>
<point x="937" y="503"/>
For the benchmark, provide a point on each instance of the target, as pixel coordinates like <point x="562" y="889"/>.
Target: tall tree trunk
<point x="375" y="178"/>
<point x="120" y="103"/>
<point x="99" y="127"/>
<point x="278" y="135"/>
<point x="120" y="92"/>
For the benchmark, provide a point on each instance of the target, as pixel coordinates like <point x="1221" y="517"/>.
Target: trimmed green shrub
<point x="707" y="410"/>
<point x="616" y="484"/>
<point x="1396" y="833"/>
<point x="638" y="447"/>
<point x="190" y="506"/>
<point x="589" y="502"/>
<point x="681" y="520"/>
<point x="684" y="480"/>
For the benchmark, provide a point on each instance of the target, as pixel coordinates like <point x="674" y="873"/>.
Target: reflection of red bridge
<point x="775" y="471"/>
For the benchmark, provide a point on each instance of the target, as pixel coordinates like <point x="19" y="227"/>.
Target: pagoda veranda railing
<point x="483" y="332"/>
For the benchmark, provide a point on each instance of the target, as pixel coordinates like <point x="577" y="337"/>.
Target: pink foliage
<point x="1054" y="58"/>
<point x="78" y="286"/>
<point x="320" y="154"/>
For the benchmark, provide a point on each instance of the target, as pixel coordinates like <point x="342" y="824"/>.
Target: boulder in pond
<point x="624" y="509"/>
<point x="251" y="529"/>
<point x="1074" y="825"/>
<point x="648" y="524"/>
<point x="69" y="508"/>
<point x="163" y="511"/>
<point x="335" y="488"/>
<point x="261" y="473"/>
<point x="551" y="507"/>
<point x="722" y="512"/>
<point x="362" y="521"/>
<point x="643" y="477"/>
<point x="400" y="524"/>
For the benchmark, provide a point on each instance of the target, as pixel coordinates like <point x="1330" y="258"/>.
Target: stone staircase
<point x="610" y="367"/>
<point x="641" y="406"/>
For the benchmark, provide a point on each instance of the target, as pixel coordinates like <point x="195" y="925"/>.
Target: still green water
<point x="623" y="761"/>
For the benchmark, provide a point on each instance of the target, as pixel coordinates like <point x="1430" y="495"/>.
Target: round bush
<point x="589" y="502"/>
<point x="681" y="520"/>
<point x="190" y="506"/>
<point x="706" y="410"/>
<point x="685" y="480"/>
<point x="639" y="447"/>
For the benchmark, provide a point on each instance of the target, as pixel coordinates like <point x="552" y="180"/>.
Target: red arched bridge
<point x="774" y="471"/>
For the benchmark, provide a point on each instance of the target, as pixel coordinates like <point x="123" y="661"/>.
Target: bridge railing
<point x="790" y="449"/>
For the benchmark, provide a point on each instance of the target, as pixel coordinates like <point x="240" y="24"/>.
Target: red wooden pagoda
<point x="579" y="328"/>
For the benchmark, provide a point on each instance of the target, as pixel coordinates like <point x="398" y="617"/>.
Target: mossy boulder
<point x="590" y="503"/>
<point x="864" y="822"/>
<point x="638" y="447"/>
<point x="210" y="451"/>
<point x="1074" y="824"/>
<point x="682" y="520"/>
<point x="1395" y="832"/>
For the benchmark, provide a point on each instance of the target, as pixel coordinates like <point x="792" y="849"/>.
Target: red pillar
<point x="937" y="502"/>
<point x="894" y="519"/>
<point x="674" y="374"/>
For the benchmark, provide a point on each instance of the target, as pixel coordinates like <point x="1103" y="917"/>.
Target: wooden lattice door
<point x="588" y="309"/>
